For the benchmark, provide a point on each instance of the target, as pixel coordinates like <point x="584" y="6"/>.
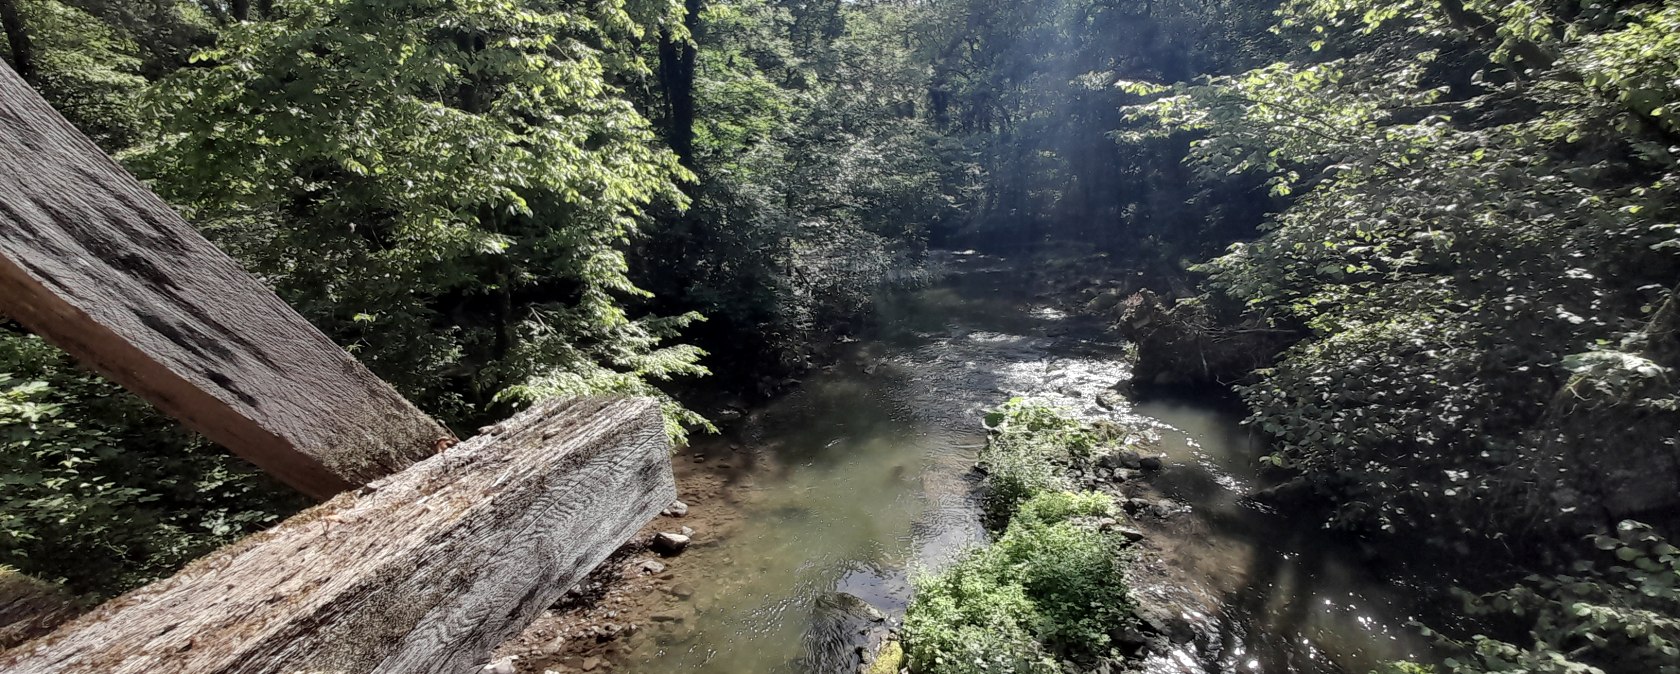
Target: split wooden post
<point x="425" y="571"/>
<point x="99" y="265"/>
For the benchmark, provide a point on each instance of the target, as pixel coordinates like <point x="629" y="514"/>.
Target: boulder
<point x="1111" y="400"/>
<point x="1105" y="301"/>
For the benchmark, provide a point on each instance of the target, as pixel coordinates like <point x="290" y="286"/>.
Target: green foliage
<point x="102" y="493"/>
<point x="816" y="181"/>
<point x="1026" y="87"/>
<point x="1052" y="507"/>
<point x="86" y="69"/>
<point x="1598" y="619"/>
<point x="1027" y="441"/>
<point x="1475" y="229"/>
<point x="1049" y="588"/>
<point x="446" y="187"/>
<point x="1474" y="252"/>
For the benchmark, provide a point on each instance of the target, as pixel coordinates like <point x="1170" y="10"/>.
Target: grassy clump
<point x="1021" y="457"/>
<point x="1050" y="589"/>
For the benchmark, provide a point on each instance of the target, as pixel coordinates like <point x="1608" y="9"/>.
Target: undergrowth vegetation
<point x="100" y="492"/>
<point x="1027" y="442"/>
<point x="1050" y="589"/>
<point x="1600" y="618"/>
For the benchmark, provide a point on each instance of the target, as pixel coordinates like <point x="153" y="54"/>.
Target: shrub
<point x="1027" y="440"/>
<point x="1049" y="588"/>
<point x="100" y="492"/>
<point x="1620" y="618"/>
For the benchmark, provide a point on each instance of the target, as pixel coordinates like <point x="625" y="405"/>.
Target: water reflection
<point x="1283" y="595"/>
<point x="865" y="473"/>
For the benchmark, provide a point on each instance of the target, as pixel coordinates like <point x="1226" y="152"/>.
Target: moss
<point x="889" y="661"/>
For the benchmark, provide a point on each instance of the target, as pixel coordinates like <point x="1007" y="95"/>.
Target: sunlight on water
<point x="866" y="475"/>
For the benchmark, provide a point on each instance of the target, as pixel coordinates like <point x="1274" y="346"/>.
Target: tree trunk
<point x="677" y="60"/>
<point x="17" y="36"/>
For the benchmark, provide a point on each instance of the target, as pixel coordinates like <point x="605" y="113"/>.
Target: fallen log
<point x="100" y="266"/>
<point x="30" y="607"/>
<point x="424" y="571"/>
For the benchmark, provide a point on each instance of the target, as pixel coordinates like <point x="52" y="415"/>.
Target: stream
<point x="864" y="474"/>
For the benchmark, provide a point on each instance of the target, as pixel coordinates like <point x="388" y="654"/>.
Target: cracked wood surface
<point x="424" y="571"/>
<point x="30" y="607"/>
<point x="97" y="264"/>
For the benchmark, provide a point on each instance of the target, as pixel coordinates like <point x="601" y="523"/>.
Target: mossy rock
<point x="889" y="661"/>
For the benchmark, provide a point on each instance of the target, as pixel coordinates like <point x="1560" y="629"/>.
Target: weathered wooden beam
<point x="425" y="571"/>
<point x="31" y="607"/>
<point x="99" y="265"/>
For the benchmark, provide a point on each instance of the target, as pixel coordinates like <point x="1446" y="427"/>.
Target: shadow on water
<point x="864" y="474"/>
<point x="1279" y="593"/>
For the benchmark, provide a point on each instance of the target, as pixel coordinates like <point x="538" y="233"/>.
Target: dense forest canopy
<point x="1430" y="243"/>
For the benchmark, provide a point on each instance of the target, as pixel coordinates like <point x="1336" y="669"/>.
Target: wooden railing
<point x="422" y="562"/>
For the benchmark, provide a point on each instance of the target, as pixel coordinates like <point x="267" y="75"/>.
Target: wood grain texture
<point x="425" y="571"/>
<point x="30" y="607"/>
<point x="99" y="265"/>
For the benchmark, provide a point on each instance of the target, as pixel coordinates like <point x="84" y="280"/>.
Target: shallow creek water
<point x="865" y="473"/>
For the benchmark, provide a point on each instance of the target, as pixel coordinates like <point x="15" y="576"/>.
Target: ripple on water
<point x="867" y="474"/>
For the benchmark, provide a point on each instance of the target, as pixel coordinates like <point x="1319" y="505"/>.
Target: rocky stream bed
<point x="801" y="525"/>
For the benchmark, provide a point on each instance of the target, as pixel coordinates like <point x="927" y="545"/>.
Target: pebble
<point x="590" y="664"/>
<point x="682" y="590"/>
<point x="502" y="666"/>
<point x="676" y="509"/>
<point x="669" y="544"/>
<point x="688" y="531"/>
<point x="651" y="567"/>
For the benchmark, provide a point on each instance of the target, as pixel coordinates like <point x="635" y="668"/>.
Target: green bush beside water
<point x="1026" y="438"/>
<point x="1596" y="619"/>
<point x="1050" y="588"/>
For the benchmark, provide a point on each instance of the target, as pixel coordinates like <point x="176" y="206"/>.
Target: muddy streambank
<point x="808" y="516"/>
